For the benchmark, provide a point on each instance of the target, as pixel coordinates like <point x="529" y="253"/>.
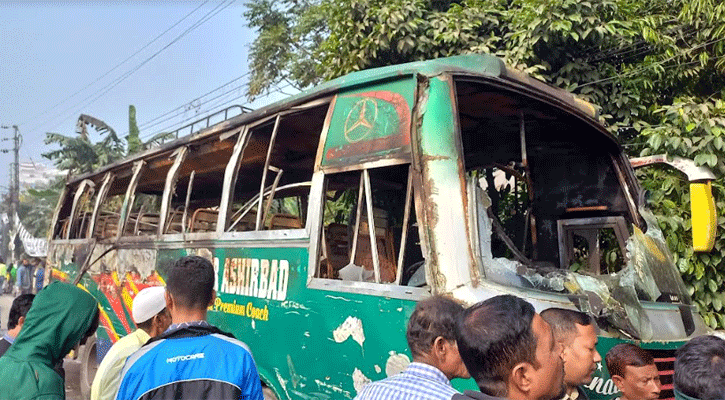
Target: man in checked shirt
<point x="432" y="340"/>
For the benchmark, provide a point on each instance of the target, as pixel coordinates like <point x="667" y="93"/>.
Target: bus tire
<point x="89" y="366"/>
<point x="268" y="393"/>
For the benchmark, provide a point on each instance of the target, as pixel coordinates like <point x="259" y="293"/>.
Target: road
<point x="72" y="367"/>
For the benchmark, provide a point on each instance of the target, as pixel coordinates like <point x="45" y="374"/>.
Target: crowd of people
<point x="26" y="278"/>
<point x="514" y="353"/>
<point x="510" y="350"/>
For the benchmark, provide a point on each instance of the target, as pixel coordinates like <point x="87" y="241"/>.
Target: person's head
<point x="431" y="335"/>
<point x="577" y="333"/>
<point x="62" y="315"/>
<point x="149" y="310"/>
<point x="25" y="261"/>
<point x="18" y="311"/>
<point x="190" y="285"/>
<point x="700" y="368"/>
<point x="510" y="350"/>
<point x="634" y="372"/>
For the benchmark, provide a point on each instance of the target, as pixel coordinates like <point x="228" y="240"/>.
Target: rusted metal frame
<point x="56" y="214"/>
<point x="472" y="187"/>
<point x="371" y="226"/>
<point x="323" y="135"/>
<point x="102" y="192"/>
<point x="537" y="90"/>
<point x="169" y="186"/>
<point x="230" y="178"/>
<point x="74" y="209"/>
<point x="421" y="189"/>
<point x="128" y="200"/>
<point x="404" y="234"/>
<point x="358" y="214"/>
<point x="525" y="163"/>
<point x="631" y="203"/>
<point x="688" y="167"/>
<point x="381" y="163"/>
<point x="254" y="200"/>
<point x="186" y="203"/>
<point x="272" y="191"/>
<point x="83" y="215"/>
<point x="591" y="223"/>
<point x="264" y="172"/>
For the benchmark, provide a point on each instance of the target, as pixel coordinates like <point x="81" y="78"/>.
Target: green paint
<point x="370" y="123"/>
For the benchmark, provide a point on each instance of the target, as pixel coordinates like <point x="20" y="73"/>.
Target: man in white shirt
<point x="152" y="319"/>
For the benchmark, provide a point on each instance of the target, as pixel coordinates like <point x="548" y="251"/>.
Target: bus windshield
<point x="554" y="209"/>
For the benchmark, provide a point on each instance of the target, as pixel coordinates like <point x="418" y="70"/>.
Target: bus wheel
<point x="89" y="366"/>
<point x="268" y="393"/>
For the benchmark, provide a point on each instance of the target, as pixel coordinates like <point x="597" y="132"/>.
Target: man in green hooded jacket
<point x="62" y="315"/>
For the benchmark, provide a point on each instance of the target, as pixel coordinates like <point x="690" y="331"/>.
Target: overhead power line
<point x="182" y="108"/>
<point x="117" y="65"/>
<point x="101" y="92"/>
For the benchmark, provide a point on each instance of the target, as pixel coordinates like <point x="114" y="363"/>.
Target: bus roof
<point x="474" y="65"/>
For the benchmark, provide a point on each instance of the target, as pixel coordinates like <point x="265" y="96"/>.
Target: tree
<point x="79" y="154"/>
<point x="656" y="68"/>
<point x="133" y="142"/>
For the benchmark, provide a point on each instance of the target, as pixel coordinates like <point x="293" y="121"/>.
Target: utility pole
<point x="15" y="182"/>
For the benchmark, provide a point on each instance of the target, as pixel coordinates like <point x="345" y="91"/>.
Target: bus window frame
<point x="235" y="162"/>
<point x="172" y="177"/>
<point x="108" y="179"/>
<point x="315" y="225"/>
<point x="138" y="167"/>
<point x="82" y="187"/>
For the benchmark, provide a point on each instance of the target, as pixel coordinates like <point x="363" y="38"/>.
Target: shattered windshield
<point x="553" y="211"/>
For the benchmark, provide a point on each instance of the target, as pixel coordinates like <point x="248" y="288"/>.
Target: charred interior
<point x="550" y="178"/>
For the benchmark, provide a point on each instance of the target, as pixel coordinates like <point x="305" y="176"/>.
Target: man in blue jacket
<point x="192" y="359"/>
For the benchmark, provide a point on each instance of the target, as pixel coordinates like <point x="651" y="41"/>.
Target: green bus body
<point x="404" y="150"/>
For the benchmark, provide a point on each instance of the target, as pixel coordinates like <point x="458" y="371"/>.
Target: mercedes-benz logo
<point x="360" y="120"/>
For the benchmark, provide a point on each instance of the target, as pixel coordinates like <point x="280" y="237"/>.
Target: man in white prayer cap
<point x="152" y="319"/>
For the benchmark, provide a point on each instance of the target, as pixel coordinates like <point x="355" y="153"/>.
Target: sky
<point x="60" y="59"/>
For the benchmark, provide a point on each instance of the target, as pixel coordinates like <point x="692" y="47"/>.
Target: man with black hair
<point x="24" y="281"/>
<point x="510" y="351"/>
<point x="16" y="319"/>
<point x="700" y="369"/>
<point x="431" y="338"/>
<point x="577" y="333"/>
<point x="634" y="371"/>
<point x="192" y="359"/>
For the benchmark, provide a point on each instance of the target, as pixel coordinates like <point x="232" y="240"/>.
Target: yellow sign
<point x="248" y="310"/>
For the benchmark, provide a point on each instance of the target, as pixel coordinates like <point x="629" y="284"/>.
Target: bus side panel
<point x="306" y="343"/>
<point x="113" y="279"/>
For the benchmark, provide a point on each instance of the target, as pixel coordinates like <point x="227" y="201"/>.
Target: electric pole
<point x="15" y="182"/>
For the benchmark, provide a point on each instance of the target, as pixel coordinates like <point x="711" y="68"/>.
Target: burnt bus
<point x="329" y="214"/>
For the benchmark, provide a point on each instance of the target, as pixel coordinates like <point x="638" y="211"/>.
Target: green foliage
<point x="656" y="68"/>
<point x="693" y="129"/>
<point x="133" y="141"/>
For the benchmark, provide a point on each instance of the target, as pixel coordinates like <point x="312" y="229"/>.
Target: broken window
<point x="198" y="184"/>
<point x="549" y="178"/>
<point x="84" y="199"/>
<point x="376" y="200"/>
<point x="552" y="210"/>
<point x="144" y="204"/>
<point x="274" y="172"/>
<point x="108" y="218"/>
